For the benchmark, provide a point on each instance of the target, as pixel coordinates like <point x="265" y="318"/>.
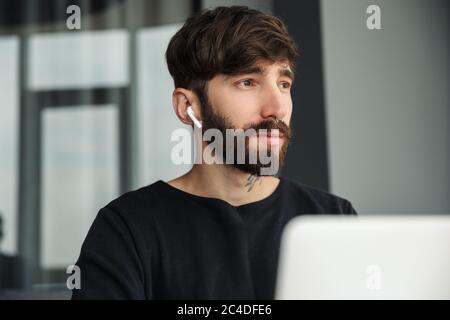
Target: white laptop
<point x="375" y="257"/>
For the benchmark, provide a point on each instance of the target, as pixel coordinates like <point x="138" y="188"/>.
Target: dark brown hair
<point x="225" y="40"/>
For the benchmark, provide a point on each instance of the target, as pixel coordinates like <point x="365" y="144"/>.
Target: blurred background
<point x="86" y="115"/>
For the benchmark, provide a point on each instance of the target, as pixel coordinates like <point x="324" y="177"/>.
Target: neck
<point x="225" y="182"/>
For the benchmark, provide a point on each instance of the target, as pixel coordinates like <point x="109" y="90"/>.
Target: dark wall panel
<point x="307" y="156"/>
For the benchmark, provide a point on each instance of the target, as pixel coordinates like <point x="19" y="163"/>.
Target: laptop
<point x="374" y="257"/>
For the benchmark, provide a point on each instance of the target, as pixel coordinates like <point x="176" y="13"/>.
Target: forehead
<point x="264" y="64"/>
<point x="265" y="67"/>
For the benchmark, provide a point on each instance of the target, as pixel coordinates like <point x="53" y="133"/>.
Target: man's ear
<point x="181" y="100"/>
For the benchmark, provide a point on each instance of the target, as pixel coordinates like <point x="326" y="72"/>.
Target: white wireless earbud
<point x="191" y="115"/>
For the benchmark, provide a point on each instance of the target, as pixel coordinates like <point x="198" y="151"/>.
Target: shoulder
<point x="315" y="199"/>
<point x="134" y="208"/>
<point x="136" y="200"/>
<point x="126" y="222"/>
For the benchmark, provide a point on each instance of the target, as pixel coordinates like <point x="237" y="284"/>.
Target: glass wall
<point x="86" y="115"/>
<point x="9" y="141"/>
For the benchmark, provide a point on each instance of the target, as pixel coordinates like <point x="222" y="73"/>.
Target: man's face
<point x="258" y="98"/>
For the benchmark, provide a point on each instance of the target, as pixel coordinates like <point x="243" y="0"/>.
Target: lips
<point x="272" y="134"/>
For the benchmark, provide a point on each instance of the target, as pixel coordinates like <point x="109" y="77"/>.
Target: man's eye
<point x="286" y="85"/>
<point x="245" y="83"/>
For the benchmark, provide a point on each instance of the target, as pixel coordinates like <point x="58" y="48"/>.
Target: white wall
<point x="157" y="119"/>
<point x="9" y="137"/>
<point x="388" y="105"/>
<point x="79" y="176"/>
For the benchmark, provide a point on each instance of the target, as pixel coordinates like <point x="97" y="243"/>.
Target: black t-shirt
<point x="159" y="242"/>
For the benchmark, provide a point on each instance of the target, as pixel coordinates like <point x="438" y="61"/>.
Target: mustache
<point x="271" y="124"/>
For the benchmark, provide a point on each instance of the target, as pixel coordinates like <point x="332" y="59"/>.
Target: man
<point x="213" y="233"/>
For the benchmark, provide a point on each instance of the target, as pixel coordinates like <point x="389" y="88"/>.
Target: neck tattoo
<point x="251" y="180"/>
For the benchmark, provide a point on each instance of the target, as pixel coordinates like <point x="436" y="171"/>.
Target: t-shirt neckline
<point x="251" y="205"/>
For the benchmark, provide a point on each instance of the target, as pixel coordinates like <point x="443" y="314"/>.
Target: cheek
<point x="239" y="108"/>
<point x="287" y="117"/>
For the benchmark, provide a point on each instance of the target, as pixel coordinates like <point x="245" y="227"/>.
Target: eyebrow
<point x="258" y="70"/>
<point x="287" y="73"/>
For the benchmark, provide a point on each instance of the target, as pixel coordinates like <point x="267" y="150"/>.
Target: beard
<point x="213" y="120"/>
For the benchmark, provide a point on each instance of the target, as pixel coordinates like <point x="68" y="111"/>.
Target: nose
<point x="274" y="103"/>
